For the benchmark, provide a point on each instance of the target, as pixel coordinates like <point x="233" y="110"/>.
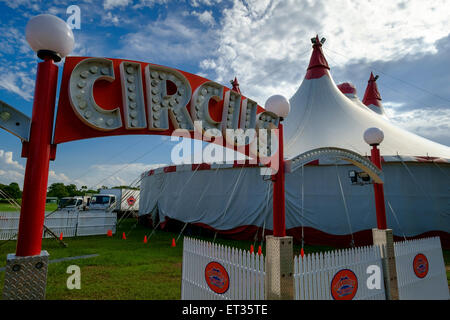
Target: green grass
<point x="10" y="208"/>
<point x="125" y="269"/>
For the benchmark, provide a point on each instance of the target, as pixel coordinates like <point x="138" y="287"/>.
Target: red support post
<point x="279" y="208"/>
<point x="32" y="214"/>
<point x="379" y="191"/>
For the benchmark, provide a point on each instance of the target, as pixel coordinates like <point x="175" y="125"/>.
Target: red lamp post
<point x="281" y="107"/>
<point x="51" y="38"/>
<point x="373" y="137"/>
<point x="279" y="247"/>
<point x="26" y="271"/>
<point x="38" y="151"/>
<point x="379" y="191"/>
<point x="279" y="201"/>
<point x="382" y="236"/>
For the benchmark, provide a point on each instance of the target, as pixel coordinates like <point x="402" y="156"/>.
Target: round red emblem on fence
<point x="344" y="285"/>
<point x="131" y="200"/>
<point x="420" y="265"/>
<point x="217" y="278"/>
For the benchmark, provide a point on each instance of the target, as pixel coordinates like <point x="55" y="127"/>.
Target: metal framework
<point x="338" y="154"/>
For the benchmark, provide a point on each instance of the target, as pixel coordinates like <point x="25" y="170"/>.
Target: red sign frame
<point x="420" y="265"/>
<point x="131" y="201"/>
<point x="108" y="95"/>
<point x="344" y="285"/>
<point x="217" y="278"/>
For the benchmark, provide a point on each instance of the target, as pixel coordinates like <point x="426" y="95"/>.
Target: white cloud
<point x="111" y="4"/>
<point x="54" y="177"/>
<point x="114" y="174"/>
<point x="32" y="4"/>
<point x="198" y="3"/>
<point x="16" y="75"/>
<point x="19" y="83"/>
<point x="6" y="161"/>
<point x="10" y="170"/>
<point x="205" y="17"/>
<point x="149" y="3"/>
<point x="392" y="104"/>
<point x="431" y="124"/>
<point x="168" y="41"/>
<point x="266" y="43"/>
<point x="109" y="18"/>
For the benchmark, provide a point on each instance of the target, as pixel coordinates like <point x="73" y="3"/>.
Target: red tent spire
<point x="318" y="65"/>
<point x="372" y="96"/>
<point x="347" y="88"/>
<point x="235" y="85"/>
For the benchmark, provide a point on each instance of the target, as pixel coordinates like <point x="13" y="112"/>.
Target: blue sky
<point x="266" y="44"/>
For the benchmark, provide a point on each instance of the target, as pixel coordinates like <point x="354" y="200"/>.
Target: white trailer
<point x="126" y="199"/>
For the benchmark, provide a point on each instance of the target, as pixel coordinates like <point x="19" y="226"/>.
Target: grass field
<point x="8" y="207"/>
<point x="125" y="269"/>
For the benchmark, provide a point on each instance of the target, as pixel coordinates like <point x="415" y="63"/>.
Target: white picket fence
<point x="313" y="274"/>
<point x="245" y="272"/>
<point x="70" y="223"/>
<point x="433" y="285"/>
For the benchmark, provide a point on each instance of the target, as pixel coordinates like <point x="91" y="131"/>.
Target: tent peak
<point x="318" y="65"/>
<point x="235" y="85"/>
<point x="372" y="95"/>
<point x="347" y="88"/>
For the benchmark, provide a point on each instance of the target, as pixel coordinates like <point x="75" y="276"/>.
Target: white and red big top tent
<point x="322" y="116"/>
<point x="322" y="206"/>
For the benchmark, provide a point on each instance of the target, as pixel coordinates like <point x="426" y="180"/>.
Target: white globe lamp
<point x="278" y="105"/>
<point x="373" y="136"/>
<point x="49" y="36"/>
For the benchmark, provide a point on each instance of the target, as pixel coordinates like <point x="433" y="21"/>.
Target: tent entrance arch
<point x="102" y="97"/>
<point x="338" y="154"/>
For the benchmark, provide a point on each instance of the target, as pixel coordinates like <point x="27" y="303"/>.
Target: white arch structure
<point x="336" y="154"/>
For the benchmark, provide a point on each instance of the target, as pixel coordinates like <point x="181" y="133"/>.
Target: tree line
<point x="58" y="189"/>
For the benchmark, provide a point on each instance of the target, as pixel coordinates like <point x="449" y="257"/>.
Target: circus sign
<point x="420" y="265"/>
<point x="105" y="97"/>
<point x="217" y="277"/>
<point x="344" y="285"/>
<point x="131" y="201"/>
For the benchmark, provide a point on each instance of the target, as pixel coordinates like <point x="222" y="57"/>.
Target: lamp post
<point x="279" y="247"/>
<point x="281" y="107"/>
<point x="26" y="272"/>
<point x="382" y="236"/>
<point x="373" y="137"/>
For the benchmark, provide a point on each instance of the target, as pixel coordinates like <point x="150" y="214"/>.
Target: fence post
<point x="76" y="225"/>
<point x="384" y="238"/>
<point x="279" y="282"/>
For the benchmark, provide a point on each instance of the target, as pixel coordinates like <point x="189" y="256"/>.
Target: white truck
<point x="74" y="203"/>
<point x="118" y="200"/>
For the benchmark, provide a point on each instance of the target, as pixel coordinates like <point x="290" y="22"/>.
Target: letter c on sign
<point x="81" y="94"/>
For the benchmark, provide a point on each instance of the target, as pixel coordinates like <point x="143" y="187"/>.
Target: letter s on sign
<point x="81" y="94"/>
